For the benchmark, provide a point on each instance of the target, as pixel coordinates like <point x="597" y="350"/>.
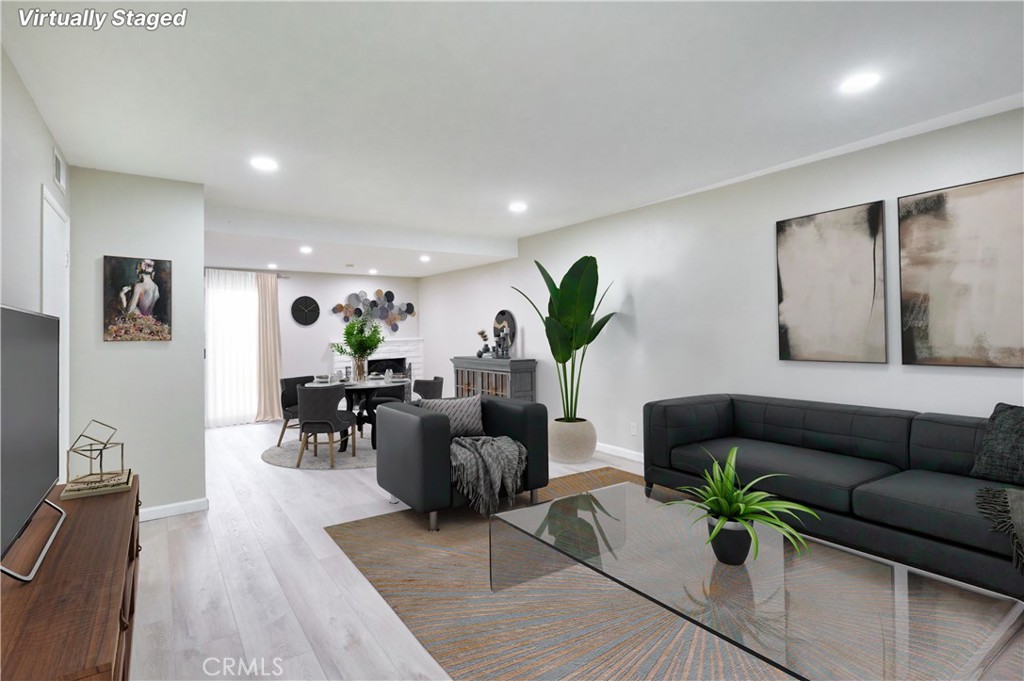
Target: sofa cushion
<point x="939" y="505"/>
<point x="862" y="432"/>
<point x="813" y="477"/>
<point x="1001" y="456"/>
<point x="945" y="443"/>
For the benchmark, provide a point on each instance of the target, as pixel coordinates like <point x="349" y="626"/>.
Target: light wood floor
<point x="256" y="579"/>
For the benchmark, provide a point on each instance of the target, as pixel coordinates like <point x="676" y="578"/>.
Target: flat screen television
<point x="29" y="416"/>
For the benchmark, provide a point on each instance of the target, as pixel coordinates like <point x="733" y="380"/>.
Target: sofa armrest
<point x="683" y="420"/>
<point x="414" y="455"/>
<point x="526" y="422"/>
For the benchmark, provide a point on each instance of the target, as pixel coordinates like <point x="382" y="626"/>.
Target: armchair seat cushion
<point x="940" y="505"/>
<point x="816" y="478"/>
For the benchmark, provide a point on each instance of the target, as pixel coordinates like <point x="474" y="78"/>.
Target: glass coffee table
<point x="829" y="613"/>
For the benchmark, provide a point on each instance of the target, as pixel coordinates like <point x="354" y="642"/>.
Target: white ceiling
<point x="416" y="124"/>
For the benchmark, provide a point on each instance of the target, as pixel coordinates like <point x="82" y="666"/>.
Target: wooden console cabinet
<point x="515" y="378"/>
<point x="74" y="620"/>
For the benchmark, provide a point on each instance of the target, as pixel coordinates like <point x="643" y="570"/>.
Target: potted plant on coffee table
<point x="362" y="338"/>
<point x="732" y="511"/>
<point x="570" y="327"/>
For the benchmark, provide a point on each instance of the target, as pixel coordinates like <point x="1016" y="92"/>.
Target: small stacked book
<point x="92" y="485"/>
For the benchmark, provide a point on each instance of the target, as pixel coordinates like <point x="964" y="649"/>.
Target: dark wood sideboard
<point x="74" y="620"/>
<point x="515" y="378"/>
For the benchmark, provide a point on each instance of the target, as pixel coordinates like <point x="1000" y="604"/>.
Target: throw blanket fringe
<point x="1005" y="508"/>
<point x="482" y="467"/>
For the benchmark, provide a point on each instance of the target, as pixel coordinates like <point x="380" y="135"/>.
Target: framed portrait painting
<point x="962" y="274"/>
<point x="136" y="299"/>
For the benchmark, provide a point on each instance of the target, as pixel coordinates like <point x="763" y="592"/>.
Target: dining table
<point x="363" y="390"/>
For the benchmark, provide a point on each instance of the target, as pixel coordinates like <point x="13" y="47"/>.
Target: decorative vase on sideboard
<point x="571" y="441"/>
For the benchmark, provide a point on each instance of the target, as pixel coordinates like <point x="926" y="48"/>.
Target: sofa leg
<point x="534" y="496"/>
<point x="393" y="499"/>
<point x="433" y="521"/>
<point x="648" y="488"/>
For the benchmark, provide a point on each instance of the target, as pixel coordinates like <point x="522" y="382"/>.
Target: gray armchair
<point x="413" y="451"/>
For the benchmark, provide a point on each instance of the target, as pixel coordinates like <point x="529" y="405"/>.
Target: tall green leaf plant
<point x="571" y="325"/>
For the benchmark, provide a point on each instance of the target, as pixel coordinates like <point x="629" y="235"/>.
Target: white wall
<point x="152" y="392"/>
<point x="305" y="349"/>
<point x="695" y="287"/>
<point x="27" y="161"/>
<point x="27" y="165"/>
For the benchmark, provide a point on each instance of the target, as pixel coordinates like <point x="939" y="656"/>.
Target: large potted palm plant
<point x="571" y="326"/>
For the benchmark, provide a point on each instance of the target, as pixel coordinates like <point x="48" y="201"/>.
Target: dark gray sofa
<point x="414" y="450"/>
<point x="888" y="482"/>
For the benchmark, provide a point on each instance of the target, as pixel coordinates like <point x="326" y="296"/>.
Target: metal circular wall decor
<point x="505" y="320"/>
<point x="381" y="307"/>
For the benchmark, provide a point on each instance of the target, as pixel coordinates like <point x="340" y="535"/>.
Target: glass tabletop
<point x="827" y="613"/>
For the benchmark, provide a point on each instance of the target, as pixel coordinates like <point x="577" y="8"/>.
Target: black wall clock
<point x="305" y="310"/>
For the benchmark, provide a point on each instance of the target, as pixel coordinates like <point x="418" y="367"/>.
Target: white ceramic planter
<point x="571" y="442"/>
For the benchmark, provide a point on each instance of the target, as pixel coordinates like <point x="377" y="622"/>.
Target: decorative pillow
<point x="1001" y="456"/>
<point x="465" y="414"/>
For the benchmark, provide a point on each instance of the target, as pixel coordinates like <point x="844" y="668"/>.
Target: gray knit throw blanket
<point x="484" y="466"/>
<point x="1005" y="508"/>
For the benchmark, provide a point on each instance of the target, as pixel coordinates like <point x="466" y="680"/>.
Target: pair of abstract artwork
<point x="961" y="253"/>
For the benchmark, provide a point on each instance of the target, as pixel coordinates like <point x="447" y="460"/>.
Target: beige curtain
<point x="269" y="377"/>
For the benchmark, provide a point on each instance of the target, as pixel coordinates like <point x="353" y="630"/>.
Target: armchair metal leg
<point x="284" y="427"/>
<point x="393" y="499"/>
<point x="433" y="521"/>
<point x="648" y="488"/>
<point x="534" y="496"/>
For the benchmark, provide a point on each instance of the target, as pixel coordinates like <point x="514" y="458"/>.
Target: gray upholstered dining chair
<point x="318" y="414"/>
<point x="429" y="388"/>
<point x="385" y="394"/>
<point x="290" y="402"/>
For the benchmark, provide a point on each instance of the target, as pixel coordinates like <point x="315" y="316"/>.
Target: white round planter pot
<point x="571" y="442"/>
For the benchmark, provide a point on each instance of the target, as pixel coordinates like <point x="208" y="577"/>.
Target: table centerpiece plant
<point x="571" y="326"/>
<point x="732" y="511"/>
<point x="362" y="338"/>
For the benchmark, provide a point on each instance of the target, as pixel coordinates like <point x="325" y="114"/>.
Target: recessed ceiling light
<point x="859" y="82"/>
<point x="424" y="258"/>
<point x="306" y="250"/>
<point x="373" y="271"/>
<point x="264" y="163"/>
<point x="517" y="207"/>
<point x="272" y="266"/>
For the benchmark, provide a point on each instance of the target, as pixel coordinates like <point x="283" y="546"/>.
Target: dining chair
<point x="429" y="388"/>
<point x="383" y="395"/>
<point x="318" y="414"/>
<point x="290" y="402"/>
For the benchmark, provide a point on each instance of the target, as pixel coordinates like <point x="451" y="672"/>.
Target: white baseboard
<point x="620" y="452"/>
<point x="177" y="508"/>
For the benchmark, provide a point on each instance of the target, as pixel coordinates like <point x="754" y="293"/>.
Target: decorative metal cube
<point x="92" y="444"/>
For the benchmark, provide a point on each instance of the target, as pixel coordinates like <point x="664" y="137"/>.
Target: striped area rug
<point x="570" y="625"/>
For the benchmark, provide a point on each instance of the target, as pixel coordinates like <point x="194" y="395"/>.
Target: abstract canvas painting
<point x="831" y="279"/>
<point x="962" y="274"/>
<point x="136" y="299"/>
